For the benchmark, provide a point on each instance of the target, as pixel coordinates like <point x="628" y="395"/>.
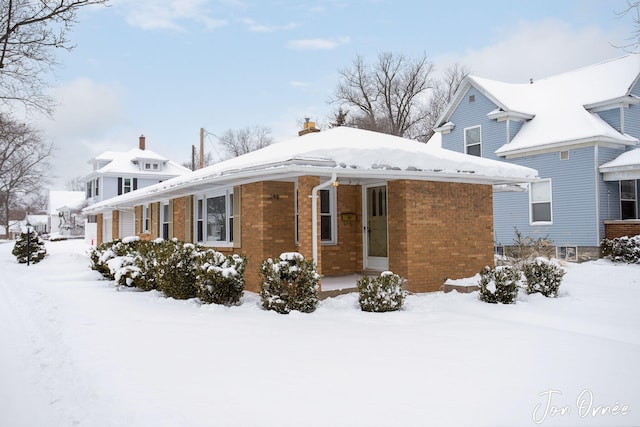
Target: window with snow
<point x="628" y="199"/>
<point x="540" y="201"/>
<point x="473" y="141"/>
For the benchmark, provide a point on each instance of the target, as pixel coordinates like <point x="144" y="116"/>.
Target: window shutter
<point x="135" y="184"/>
<point x="119" y="186"/>
<point x="237" y="217"/>
<point x="170" y="219"/>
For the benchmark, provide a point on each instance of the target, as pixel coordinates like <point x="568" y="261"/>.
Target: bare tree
<point x="75" y="184"/>
<point x="195" y="161"/>
<point x="632" y="9"/>
<point x="386" y="95"/>
<point x="444" y="89"/>
<point x="30" y="30"/>
<point x="24" y="159"/>
<point x="245" y="140"/>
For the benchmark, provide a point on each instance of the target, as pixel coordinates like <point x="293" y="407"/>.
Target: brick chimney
<point x="142" y="142"/>
<point x="309" y="127"/>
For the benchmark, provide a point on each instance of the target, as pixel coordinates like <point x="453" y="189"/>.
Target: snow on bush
<point x="36" y="252"/>
<point x="543" y="276"/>
<point x="622" y="249"/>
<point x="382" y="293"/>
<point x="219" y="278"/>
<point x="499" y="285"/>
<point x="179" y="270"/>
<point x="289" y="284"/>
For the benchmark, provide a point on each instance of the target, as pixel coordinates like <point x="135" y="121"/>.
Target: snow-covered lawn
<point x="75" y="351"/>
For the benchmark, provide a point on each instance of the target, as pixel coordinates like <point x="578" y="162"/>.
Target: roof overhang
<point x="552" y="147"/>
<point x="288" y="171"/>
<point x="502" y="115"/>
<point x="622" y="101"/>
<point x="620" y="173"/>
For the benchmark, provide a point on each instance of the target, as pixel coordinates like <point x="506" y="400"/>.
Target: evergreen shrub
<point x="543" y="276"/>
<point x="37" y="250"/>
<point x="499" y="285"/>
<point x="291" y="283"/>
<point x="622" y="249"/>
<point x="382" y="293"/>
<point x="219" y="279"/>
<point x="175" y="269"/>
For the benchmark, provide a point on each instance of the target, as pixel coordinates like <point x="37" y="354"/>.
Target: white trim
<point x="369" y="262"/>
<point x="333" y="216"/>
<point x="314" y="215"/>
<point x="227" y="193"/>
<point x="479" y="127"/>
<point x="550" y="201"/>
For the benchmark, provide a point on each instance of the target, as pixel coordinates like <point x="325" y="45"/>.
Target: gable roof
<point x="122" y="162"/>
<point x="353" y="154"/>
<point x="559" y="110"/>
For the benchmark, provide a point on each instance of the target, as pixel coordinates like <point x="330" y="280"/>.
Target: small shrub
<point x="543" y="276"/>
<point x="382" y="293"/>
<point x="219" y="278"/>
<point x="174" y="268"/>
<point x="622" y="249"/>
<point x="36" y="252"/>
<point x="499" y="285"/>
<point x="289" y="284"/>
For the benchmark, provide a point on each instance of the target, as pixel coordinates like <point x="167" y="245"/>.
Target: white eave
<point x="603" y="141"/>
<point x="623" y="101"/>
<point x="445" y="128"/>
<point x="501" y="115"/>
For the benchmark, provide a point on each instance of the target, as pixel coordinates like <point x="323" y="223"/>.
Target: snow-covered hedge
<point x="219" y="278"/>
<point x="382" y="293"/>
<point x="622" y="249"/>
<point x="499" y="285"/>
<point x="179" y="270"/>
<point x="36" y="252"/>
<point x="543" y="276"/>
<point x="291" y="283"/>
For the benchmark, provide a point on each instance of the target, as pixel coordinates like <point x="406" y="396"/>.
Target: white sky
<point x="165" y="68"/>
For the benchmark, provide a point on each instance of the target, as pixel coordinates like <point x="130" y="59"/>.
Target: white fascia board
<point x="609" y="104"/>
<point x="561" y="146"/>
<point x="501" y="115"/>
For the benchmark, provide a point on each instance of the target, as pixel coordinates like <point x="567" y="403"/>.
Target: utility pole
<point x="193" y="157"/>
<point x="201" y="148"/>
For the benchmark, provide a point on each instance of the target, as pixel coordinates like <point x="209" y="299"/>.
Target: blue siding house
<point x="579" y="129"/>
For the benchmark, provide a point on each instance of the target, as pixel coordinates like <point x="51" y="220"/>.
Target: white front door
<point x="376" y="239"/>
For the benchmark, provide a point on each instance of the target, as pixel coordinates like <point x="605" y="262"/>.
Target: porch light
<point x="336" y="183"/>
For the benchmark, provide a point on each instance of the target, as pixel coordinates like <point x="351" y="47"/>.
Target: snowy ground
<point x="75" y="351"/>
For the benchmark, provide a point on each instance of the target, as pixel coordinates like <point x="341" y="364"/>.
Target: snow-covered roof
<point x="70" y="199"/>
<point x="625" y="166"/>
<point x="122" y="162"/>
<point x="353" y="154"/>
<point x="557" y="110"/>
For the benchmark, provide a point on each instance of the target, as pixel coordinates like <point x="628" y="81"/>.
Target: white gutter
<point x="314" y="215"/>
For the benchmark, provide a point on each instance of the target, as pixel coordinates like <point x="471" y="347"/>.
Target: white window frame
<point x="332" y="214"/>
<point x="164" y="219"/>
<point x="634" y="200"/>
<point x="125" y="186"/>
<point x="200" y="215"/>
<point x="550" y="201"/>
<point x="466" y="146"/>
<point x="146" y="218"/>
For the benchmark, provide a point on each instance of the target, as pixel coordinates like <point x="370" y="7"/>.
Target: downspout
<point x="314" y="215"/>
<point x="597" y="177"/>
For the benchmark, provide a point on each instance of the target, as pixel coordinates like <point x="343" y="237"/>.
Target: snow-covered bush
<point x="382" y="293"/>
<point x="174" y="268"/>
<point x="219" y="278"/>
<point x="499" y="285"/>
<point x="291" y="283"/>
<point x="543" y="276"/>
<point x="36" y="252"/>
<point x="622" y="249"/>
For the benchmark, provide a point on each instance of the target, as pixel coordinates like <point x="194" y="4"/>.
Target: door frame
<point x="369" y="262"/>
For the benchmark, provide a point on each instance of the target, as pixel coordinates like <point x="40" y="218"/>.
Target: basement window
<point x="567" y="253"/>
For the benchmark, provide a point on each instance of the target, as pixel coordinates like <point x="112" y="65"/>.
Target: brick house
<point x="351" y="200"/>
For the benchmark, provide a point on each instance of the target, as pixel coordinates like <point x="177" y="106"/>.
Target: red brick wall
<point x="346" y="256"/>
<point x="613" y="229"/>
<point x="115" y="224"/>
<point x="99" y="220"/>
<point x="439" y="230"/>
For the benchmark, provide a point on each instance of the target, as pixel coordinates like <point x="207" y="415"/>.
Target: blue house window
<point x="628" y="199"/>
<point x="473" y="141"/>
<point x="540" y="201"/>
